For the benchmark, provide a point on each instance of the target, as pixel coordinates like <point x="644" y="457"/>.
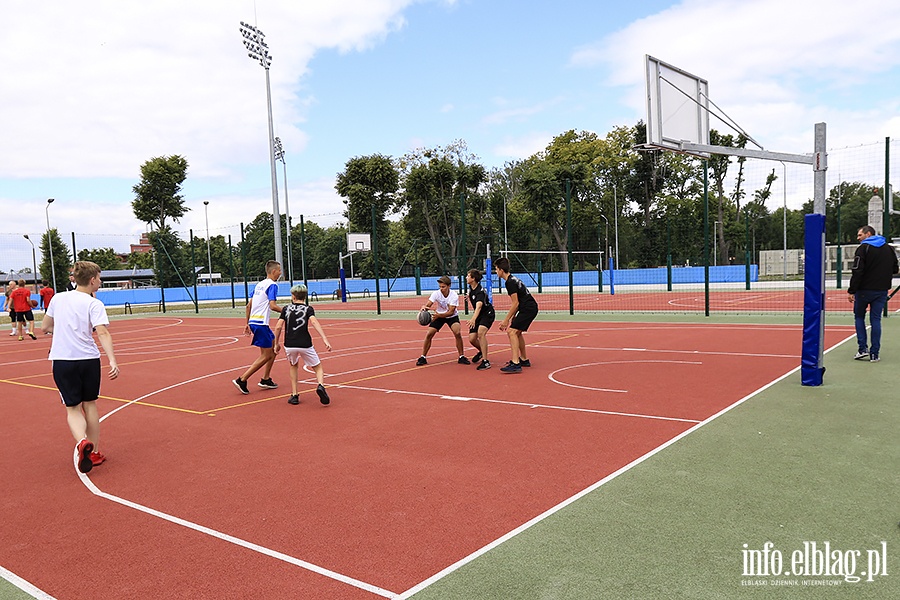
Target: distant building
<point x="144" y="246"/>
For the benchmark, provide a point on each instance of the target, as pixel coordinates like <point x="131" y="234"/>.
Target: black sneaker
<point x="873" y="357"/>
<point x="323" y="395"/>
<point x="295" y="399"/>
<point x="464" y="361"/>
<point x="485" y="364"/>
<point x="525" y="363"/>
<point x="268" y="384"/>
<point x="241" y="385"/>
<point x="477" y="357"/>
<point x="421" y="361"/>
<point x="32" y="336"/>
<point x="511" y="368"/>
<point x="862" y="355"/>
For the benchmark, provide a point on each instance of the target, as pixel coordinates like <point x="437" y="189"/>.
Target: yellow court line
<point x="122" y="400"/>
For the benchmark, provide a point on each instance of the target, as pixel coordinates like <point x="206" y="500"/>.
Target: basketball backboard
<point x="359" y="242"/>
<point x="677" y="106"/>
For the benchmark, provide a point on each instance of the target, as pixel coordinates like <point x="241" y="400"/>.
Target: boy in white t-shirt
<point x="76" y="359"/>
<point x="263" y="301"/>
<point x="446" y="303"/>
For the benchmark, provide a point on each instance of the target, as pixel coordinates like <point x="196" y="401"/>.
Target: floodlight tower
<point x="254" y="40"/>
<point x="50" y="242"/>
<point x="279" y="155"/>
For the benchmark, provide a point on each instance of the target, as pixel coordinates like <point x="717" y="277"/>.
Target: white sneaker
<point x="13" y="332"/>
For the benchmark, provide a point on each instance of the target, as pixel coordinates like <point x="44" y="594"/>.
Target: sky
<point x="92" y="90"/>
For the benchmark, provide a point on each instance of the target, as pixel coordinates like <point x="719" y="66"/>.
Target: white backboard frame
<point x="677" y="106"/>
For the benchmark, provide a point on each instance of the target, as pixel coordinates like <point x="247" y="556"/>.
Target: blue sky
<point x="92" y="91"/>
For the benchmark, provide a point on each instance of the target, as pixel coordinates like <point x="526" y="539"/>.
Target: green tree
<point x="434" y="182"/>
<point x="157" y="196"/>
<point x="173" y="259"/>
<point x="105" y="258"/>
<point x="140" y="260"/>
<point x="61" y="262"/>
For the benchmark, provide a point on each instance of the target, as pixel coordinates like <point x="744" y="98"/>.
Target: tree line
<point x="438" y="209"/>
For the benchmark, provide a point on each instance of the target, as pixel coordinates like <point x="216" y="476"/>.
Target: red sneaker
<point x="97" y="458"/>
<point x="85" y="447"/>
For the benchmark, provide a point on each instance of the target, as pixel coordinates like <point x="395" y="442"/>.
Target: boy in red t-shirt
<point x="46" y="294"/>
<point x="21" y="301"/>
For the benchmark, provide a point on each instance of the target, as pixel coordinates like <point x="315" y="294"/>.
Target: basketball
<point x="34" y="303"/>
<point x="424" y="318"/>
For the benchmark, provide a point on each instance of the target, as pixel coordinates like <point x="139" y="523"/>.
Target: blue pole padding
<point x="811" y="358"/>
<point x="488" y="284"/>
<point x="343" y="286"/>
<point x="612" y="278"/>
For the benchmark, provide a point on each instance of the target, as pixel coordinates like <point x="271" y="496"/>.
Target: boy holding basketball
<point x="482" y="319"/>
<point x="521" y="313"/>
<point x="76" y="359"/>
<point x="21" y="302"/>
<point x="294" y="320"/>
<point x="445" y="302"/>
<point x="264" y="295"/>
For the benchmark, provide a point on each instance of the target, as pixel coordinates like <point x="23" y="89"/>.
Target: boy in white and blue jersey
<point x="263" y="301"/>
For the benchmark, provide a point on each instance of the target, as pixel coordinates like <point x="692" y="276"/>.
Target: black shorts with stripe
<point x="77" y="380"/>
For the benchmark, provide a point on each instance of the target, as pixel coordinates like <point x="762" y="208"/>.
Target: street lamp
<point x="208" y="251"/>
<point x="50" y="243"/>
<point x="279" y="155"/>
<point x="33" y="262"/>
<point x="254" y="40"/>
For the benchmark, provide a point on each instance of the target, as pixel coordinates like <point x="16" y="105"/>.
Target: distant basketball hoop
<point x="359" y="242"/>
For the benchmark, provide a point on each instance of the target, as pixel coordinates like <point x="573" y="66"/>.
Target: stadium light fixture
<point x="279" y="155"/>
<point x="255" y="42"/>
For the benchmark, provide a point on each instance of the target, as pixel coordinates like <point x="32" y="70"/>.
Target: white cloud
<point x="775" y="67"/>
<point x="95" y="89"/>
<point x="523" y="146"/>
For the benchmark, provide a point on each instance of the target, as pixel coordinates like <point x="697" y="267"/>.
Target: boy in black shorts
<point x="521" y="313"/>
<point x="446" y="305"/>
<point x="482" y="319"/>
<point x="76" y="359"/>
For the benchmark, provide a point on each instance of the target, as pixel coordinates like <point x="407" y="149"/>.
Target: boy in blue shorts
<point x="264" y="295"/>
<point x="295" y="320"/>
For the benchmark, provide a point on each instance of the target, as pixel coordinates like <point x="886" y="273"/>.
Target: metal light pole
<point x="716" y="243"/>
<point x="254" y="40"/>
<point x="33" y="262"/>
<point x="616" y="222"/>
<point x="50" y="243"/>
<point x="279" y="155"/>
<point x="208" y="250"/>
<point x="784" y="189"/>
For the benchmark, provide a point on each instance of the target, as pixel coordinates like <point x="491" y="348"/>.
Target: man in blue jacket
<point x="874" y="266"/>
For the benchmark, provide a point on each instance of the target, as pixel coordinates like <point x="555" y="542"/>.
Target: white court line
<point x="25" y="586"/>
<point x="508" y="536"/>
<point x="212" y="532"/>
<point x="613" y="362"/>
<point x="512" y="403"/>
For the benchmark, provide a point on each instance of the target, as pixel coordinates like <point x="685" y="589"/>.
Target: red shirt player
<point x="46" y="294"/>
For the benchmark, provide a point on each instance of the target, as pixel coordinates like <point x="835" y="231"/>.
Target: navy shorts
<point x="77" y="380"/>
<point x="438" y="323"/>
<point x="262" y="336"/>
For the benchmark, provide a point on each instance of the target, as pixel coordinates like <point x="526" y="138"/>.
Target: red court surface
<point x="209" y="493"/>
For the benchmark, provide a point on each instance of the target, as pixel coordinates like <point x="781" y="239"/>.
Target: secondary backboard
<point x="677" y="106"/>
<point x="359" y="242"/>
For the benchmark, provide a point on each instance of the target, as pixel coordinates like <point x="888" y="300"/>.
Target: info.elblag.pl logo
<point x="813" y="563"/>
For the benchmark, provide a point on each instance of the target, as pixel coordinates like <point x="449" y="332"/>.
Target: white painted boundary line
<point x="212" y="532"/>
<point x="25" y="586"/>
<point x="483" y="550"/>
<point x="512" y="403"/>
